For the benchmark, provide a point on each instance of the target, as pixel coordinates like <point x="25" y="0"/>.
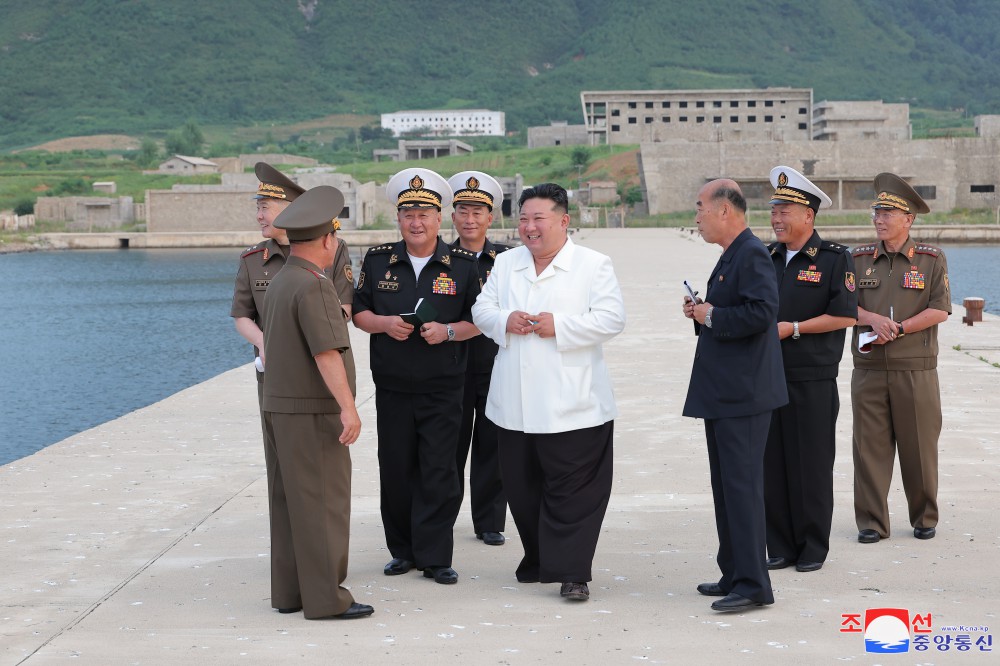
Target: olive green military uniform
<point x="310" y="487"/>
<point x="895" y="391"/>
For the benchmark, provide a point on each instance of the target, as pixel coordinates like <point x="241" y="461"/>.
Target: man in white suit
<point x="550" y="305"/>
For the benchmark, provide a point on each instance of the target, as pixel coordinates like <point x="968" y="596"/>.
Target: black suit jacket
<point x="737" y="365"/>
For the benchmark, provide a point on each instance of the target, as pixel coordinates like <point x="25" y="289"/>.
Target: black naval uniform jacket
<point x="387" y="286"/>
<point x="482" y="350"/>
<point x="818" y="280"/>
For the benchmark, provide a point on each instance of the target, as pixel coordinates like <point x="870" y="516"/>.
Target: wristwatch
<point x="708" y="316"/>
<point x="900" y="333"/>
<point x="451" y="333"/>
<point x="795" y="331"/>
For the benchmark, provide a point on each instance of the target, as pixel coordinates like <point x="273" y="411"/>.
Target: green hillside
<point x="73" y="67"/>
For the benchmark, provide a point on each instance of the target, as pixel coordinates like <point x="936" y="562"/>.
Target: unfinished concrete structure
<point x="638" y="116"/>
<point x="559" y="133"/>
<point x="854" y="121"/>
<point x="947" y="173"/>
<point x="88" y="213"/>
<point x="410" y="149"/>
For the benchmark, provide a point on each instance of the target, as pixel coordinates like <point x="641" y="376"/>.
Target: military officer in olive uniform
<point x="903" y="295"/>
<point x="476" y="196"/>
<point x="310" y="416"/>
<point x="419" y="372"/>
<point x="817" y="303"/>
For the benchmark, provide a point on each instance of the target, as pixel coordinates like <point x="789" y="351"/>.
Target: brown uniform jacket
<point x="908" y="282"/>
<point x="260" y="263"/>
<point x="302" y="318"/>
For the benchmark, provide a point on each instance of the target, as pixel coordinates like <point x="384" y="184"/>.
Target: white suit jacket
<point x="554" y="384"/>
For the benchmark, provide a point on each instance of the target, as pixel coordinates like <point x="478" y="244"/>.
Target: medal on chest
<point x="913" y="279"/>
<point x="444" y="285"/>
<point x="810" y="275"/>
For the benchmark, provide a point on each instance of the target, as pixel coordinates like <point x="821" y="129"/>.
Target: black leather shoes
<point x="711" y="590"/>
<point x="778" y="563"/>
<point x="491" y="538"/>
<point x="355" y="611"/>
<point x="443" y="575"/>
<point x="734" y="602"/>
<point x="868" y="536"/>
<point x="806" y="567"/>
<point x="296" y="609"/>
<point x="924" y="532"/>
<point x="575" y="591"/>
<point x="397" y="566"/>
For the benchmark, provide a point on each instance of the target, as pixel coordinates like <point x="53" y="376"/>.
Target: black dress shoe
<point x="296" y="609"/>
<point x="735" y="602"/>
<point x="443" y="575"/>
<point x="778" y="562"/>
<point x="868" y="536"/>
<point x="711" y="590"/>
<point x="355" y="611"/>
<point x="491" y="538"/>
<point x="806" y="567"/>
<point x="575" y="591"/>
<point x="397" y="566"/>
<point x="924" y="532"/>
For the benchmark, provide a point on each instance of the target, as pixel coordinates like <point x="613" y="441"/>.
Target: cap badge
<point x="416" y="182"/>
<point x="472" y="183"/>
<point x="782" y="179"/>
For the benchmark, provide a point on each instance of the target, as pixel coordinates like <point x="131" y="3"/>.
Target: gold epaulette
<point x="864" y="249"/>
<point x="924" y="248"/>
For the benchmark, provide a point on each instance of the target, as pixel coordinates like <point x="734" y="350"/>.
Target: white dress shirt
<point x="549" y="385"/>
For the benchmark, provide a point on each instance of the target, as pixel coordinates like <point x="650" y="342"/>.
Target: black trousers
<point x="479" y="435"/>
<point x="798" y="472"/>
<point x="417" y="435"/>
<point x="558" y="486"/>
<point x="736" y="459"/>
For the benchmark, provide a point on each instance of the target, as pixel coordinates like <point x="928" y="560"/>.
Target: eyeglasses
<point x="886" y="214"/>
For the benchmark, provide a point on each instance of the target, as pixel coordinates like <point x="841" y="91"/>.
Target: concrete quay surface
<point x="145" y="540"/>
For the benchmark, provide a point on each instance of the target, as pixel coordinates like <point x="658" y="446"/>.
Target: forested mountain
<point x="71" y="67"/>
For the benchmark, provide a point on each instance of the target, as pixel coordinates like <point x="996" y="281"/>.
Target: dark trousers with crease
<point x="478" y="436"/>
<point x="736" y="460"/>
<point x="798" y="472"/>
<point x="417" y="435"/>
<point x="558" y="486"/>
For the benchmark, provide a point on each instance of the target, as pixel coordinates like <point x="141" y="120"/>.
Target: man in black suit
<point x="736" y="381"/>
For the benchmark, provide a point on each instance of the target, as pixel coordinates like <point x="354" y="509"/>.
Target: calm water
<point x="88" y="336"/>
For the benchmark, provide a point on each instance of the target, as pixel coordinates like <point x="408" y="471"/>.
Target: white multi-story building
<point x="464" y="122"/>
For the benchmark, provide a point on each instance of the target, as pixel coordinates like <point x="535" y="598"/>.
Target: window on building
<point x="616" y="112"/>
<point x="752" y="103"/>
<point x="683" y="105"/>
<point x="649" y="105"/>
<point x="716" y="119"/>
<point x="768" y="119"/>
<point x="981" y="188"/>
<point x="751" y="119"/>
<point x="631" y="105"/>
<point x="631" y="121"/>
<point x="930" y="191"/>
<point x="665" y="105"/>
<point x="734" y="119"/>
<point x="768" y="103"/>
<point x="700" y="105"/>
<point x="802" y="111"/>
<point x="717" y="104"/>
<point x="665" y="119"/>
<point x="700" y="119"/>
<point x="734" y="104"/>
<point x="649" y="120"/>
<point x="616" y="128"/>
<point x="802" y="126"/>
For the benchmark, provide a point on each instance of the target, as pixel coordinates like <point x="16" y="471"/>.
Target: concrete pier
<point x="145" y="540"/>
